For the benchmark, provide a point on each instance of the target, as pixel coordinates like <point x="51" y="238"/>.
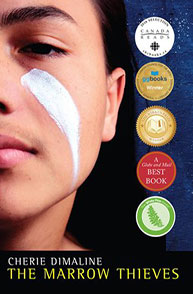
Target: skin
<point x="35" y="195"/>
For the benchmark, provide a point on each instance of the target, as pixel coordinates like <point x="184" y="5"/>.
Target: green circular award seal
<point x="155" y="216"/>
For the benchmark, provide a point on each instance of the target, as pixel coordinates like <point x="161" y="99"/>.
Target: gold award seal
<point x="154" y="81"/>
<point x="156" y="126"/>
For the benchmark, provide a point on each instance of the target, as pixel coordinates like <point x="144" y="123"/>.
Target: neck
<point x="43" y="232"/>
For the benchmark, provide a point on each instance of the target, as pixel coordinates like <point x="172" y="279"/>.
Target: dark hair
<point x="113" y="21"/>
<point x="103" y="216"/>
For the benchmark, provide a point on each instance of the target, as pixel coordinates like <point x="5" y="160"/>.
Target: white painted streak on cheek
<point x="59" y="105"/>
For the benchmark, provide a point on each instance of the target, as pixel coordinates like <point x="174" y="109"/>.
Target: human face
<point x="42" y="173"/>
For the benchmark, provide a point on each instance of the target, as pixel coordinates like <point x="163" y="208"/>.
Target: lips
<point x="13" y="151"/>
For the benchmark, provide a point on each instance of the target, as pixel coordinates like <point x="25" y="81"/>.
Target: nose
<point x="11" y="90"/>
<point x="9" y="98"/>
<point x="3" y="108"/>
<point x="12" y="94"/>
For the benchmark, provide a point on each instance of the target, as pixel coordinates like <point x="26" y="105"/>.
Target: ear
<point x="115" y="91"/>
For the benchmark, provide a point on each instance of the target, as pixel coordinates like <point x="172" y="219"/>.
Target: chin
<point x="26" y="192"/>
<point x="16" y="207"/>
<point x="17" y="203"/>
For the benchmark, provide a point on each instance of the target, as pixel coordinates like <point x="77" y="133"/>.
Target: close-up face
<point x="57" y="101"/>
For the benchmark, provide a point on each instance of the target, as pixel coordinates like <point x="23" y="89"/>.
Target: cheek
<point x="88" y="86"/>
<point x="92" y="112"/>
<point x="81" y="121"/>
<point x="60" y="107"/>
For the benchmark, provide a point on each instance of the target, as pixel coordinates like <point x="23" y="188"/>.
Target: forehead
<point x="82" y="11"/>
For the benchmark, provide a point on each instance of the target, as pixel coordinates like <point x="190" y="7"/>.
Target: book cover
<point x="96" y="165"/>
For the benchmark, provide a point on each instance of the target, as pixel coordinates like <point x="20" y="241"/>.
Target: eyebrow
<point x="32" y="13"/>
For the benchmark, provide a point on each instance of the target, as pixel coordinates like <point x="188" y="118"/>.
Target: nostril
<point x="3" y="108"/>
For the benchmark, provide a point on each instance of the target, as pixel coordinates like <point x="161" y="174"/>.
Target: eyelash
<point x="42" y="49"/>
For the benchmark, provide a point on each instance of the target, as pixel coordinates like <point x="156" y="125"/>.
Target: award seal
<point x="156" y="126"/>
<point x="154" y="37"/>
<point x="154" y="81"/>
<point x="156" y="171"/>
<point x="155" y="216"/>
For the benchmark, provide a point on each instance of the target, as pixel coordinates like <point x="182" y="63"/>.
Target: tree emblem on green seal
<point x="155" y="216"/>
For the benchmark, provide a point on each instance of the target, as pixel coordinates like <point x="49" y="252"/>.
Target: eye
<point x="42" y="49"/>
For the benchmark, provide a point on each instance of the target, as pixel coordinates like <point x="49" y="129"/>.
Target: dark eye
<point x="41" y="49"/>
